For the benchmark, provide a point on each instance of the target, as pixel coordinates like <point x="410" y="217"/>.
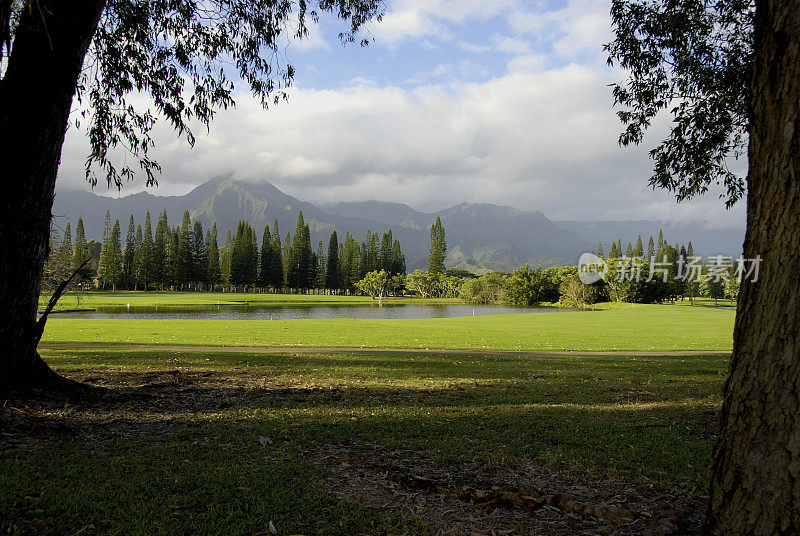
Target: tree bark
<point x="755" y="487"/>
<point x="36" y="93"/>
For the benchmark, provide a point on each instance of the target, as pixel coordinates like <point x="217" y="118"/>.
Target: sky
<point x="453" y="101"/>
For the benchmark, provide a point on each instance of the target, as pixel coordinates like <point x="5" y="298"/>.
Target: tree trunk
<point x="35" y="99"/>
<point x="755" y="487"/>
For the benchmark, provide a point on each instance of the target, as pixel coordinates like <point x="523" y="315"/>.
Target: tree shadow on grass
<point x="375" y="440"/>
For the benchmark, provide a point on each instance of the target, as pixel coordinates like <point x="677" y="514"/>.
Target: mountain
<point x="480" y="236"/>
<point x="224" y="201"/>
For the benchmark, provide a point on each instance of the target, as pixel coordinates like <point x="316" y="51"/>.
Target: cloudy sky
<point x="504" y="101"/>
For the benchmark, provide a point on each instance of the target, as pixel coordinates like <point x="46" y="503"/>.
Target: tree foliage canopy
<point x="183" y="55"/>
<point x="693" y="58"/>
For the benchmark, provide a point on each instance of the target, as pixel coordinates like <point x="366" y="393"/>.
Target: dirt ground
<point x="469" y="499"/>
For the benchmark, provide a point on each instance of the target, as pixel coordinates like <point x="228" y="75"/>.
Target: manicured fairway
<point x="186" y="458"/>
<point x="623" y="327"/>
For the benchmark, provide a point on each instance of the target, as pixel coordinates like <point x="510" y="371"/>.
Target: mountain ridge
<point x="480" y="236"/>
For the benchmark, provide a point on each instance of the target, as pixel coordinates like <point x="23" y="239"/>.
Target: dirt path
<point x="390" y="351"/>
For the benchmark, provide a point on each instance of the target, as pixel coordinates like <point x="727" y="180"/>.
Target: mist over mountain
<point x="480" y="236"/>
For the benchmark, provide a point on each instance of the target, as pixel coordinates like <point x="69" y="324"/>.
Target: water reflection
<point x="291" y="311"/>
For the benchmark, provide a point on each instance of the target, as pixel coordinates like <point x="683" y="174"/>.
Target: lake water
<point x="285" y="312"/>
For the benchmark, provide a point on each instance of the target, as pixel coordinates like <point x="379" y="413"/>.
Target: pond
<point x="293" y="311"/>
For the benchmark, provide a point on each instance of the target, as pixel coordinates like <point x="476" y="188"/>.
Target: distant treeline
<point x="185" y="257"/>
<point x="661" y="273"/>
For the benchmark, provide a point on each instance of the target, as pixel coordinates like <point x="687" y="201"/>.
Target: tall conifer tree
<point x="184" y="262"/>
<point x="129" y="255"/>
<point x="139" y="258"/>
<point x="438" y="247"/>
<point x="213" y="270"/>
<point x="276" y="278"/>
<point x="102" y="263"/>
<point x="147" y="252"/>
<point x="66" y="241"/>
<point x="160" y="247"/>
<point x="114" y="257"/>
<point x="333" y="276"/>
<point x="265" y="261"/>
<point x="398" y="260"/>
<point x="80" y="251"/>
<point x="319" y="267"/>
<point x="198" y="251"/>
<point x="639" y="250"/>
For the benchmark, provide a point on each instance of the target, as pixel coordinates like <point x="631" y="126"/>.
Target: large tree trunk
<point x="755" y="487"/>
<point x="36" y="93"/>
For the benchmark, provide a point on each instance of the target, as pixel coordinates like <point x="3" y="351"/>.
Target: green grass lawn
<point x="93" y="299"/>
<point x="624" y="327"/>
<point x="182" y="469"/>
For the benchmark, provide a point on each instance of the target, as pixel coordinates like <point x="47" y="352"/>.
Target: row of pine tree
<point x="681" y="281"/>
<point x="655" y="249"/>
<point x="185" y="257"/>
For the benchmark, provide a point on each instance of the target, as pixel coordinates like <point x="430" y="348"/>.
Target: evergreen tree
<point x="350" y="262"/>
<point x="185" y="262"/>
<point x="333" y="276"/>
<point x="386" y="256"/>
<point x="129" y="255"/>
<point x="253" y="252"/>
<point x="301" y="269"/>
<point x="80" y="251"/>
<point x="639" y="250"/>
<point x="102" y="264"/>
<point x="66" y="241"/>
<point x="114" y="257"/>
<point x="225" y="259"/>
<point x="373" y="261"/>
<point x="651" y="249"/>
<point x="319" y="267"/>
<point x="363" y="261"/>
<point x="139" y="259"/>
<point x="265" y="262"/>
<point x="287" y="260"/>
<point x="600" y="252"/>
<point x="198" y="251"/>
<point x="614" y="253"/>
<point x="213" y="270"/>
<point x="398" y="260"/>
<point x="629" y="251"/>
<point x="160" y="273"/>
<point x="148" y="248"/>
<point x="438" y="248"/>
<point x="276" y="275"/>
<point x="244" y="256"/>
<point x="174" y="257"/>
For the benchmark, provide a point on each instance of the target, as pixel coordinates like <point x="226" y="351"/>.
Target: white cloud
<point x="535" y="139"/>
<point x="408" y="19"/>
<point x="578" y="27"/>
<point x="511" y="45"/>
